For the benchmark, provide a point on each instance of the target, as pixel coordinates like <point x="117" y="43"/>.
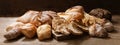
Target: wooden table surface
<point x="114" y="37"/>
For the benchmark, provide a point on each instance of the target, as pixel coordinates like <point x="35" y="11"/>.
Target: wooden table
<point x="114" y="37"/>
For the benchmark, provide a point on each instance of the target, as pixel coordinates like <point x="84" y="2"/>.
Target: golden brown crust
<point x="76" y="12"/>
<point x="47" y="16"/>
<point x="13" y="30"/>
<point x="15" y="25"/>
<point x="30" y="17"/>
<point x="71" y="22"/>
<point x="44" y="32"/>
<point x="29" y="30"/>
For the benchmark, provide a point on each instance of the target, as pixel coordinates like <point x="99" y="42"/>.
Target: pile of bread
<point x="49" y="24"/>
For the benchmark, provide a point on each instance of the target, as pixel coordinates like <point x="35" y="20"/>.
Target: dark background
<point x="19" y="7"/>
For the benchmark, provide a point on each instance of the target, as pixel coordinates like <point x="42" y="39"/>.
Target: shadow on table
<point x="73" y="41"/>
<point x="79" y="40"/>
<point x="14" y="40"/>
<point x="76" y="40"/>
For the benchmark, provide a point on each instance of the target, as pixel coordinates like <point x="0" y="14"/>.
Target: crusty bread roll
<point x="37" y="18"/>
<point x="76" y="13"/>
<point x="47" y="16"/>
<point x="13" y="30"/>
<point x="30" y="17"/>
<point x="97" y="31"/>
<point x="44" y="32"/>
<point x="14" y="25"/>
<point x="109" y="26"/>
<point x="101" y="13"/>
<point x="89" y="20"/>
<point x="13" y="34"/>
<point x="29" y="30"/>
<point x="52" y="14"/>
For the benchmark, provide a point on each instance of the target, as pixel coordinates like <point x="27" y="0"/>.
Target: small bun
<point x="76" y="12"/>
<point x="101" y="13"/>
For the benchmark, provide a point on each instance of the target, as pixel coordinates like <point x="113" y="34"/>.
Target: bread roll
<point x="30" y="17"/>
<point x="13" y="31"/>
<point x="109" y="26"/>
<point x="44" y="32"/>
<point x="14" y="25"/>
<point x="76" y="13"/>
<point x="101" y="13"/>
<point x="29" y="30"/>
<point x="97" y="31"/>
<point x="47" y="16"/>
